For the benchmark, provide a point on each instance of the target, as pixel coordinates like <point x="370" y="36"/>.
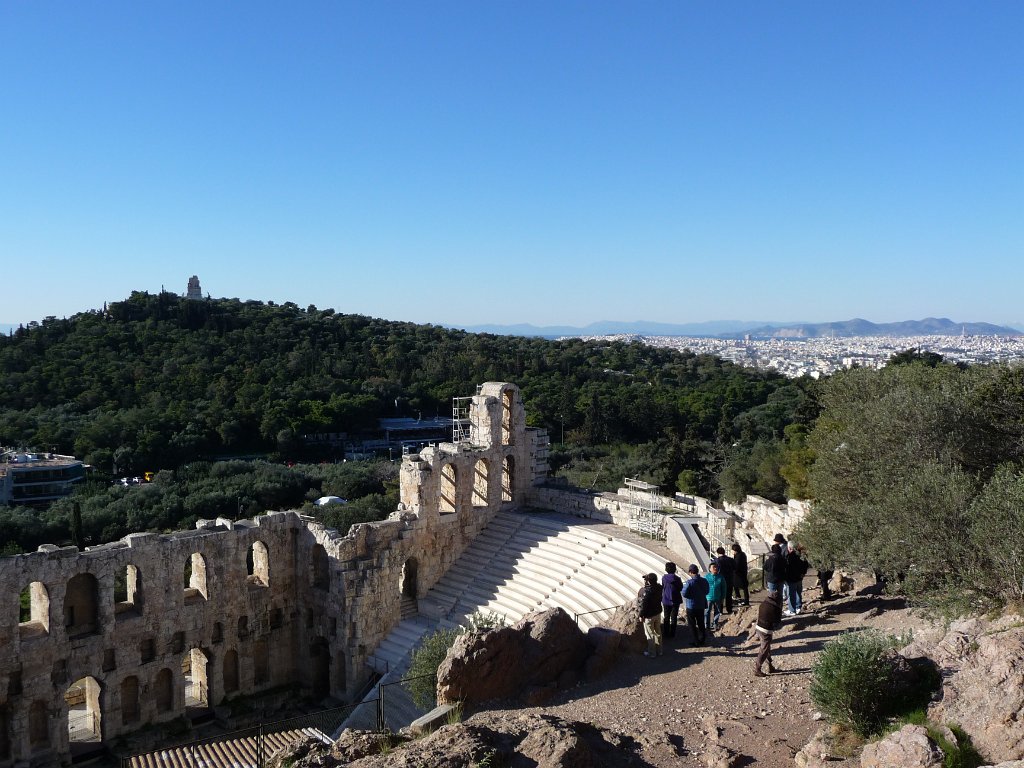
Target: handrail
<point x="576" y="616"/>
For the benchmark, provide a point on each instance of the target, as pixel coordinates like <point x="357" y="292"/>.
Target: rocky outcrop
<point x="909" y="747"/>
<point x="545" y="651"/>
<point x="984" y="689"/>
<point x="627" y="622"/>
<point x="537" y="740"/>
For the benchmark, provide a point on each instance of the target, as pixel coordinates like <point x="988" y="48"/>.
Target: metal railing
<point x="191" y="753"/>
<point x="576" y="616"/>
<point x="382" y="697"/>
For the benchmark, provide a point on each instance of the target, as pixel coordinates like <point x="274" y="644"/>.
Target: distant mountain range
<point x="930" y="326"/>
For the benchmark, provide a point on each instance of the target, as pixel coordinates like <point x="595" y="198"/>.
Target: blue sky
<point x="499" y="162"/>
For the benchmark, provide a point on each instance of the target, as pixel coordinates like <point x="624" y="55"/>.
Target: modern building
<point x="37" y="478"/>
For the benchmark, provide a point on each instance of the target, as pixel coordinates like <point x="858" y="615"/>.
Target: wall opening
<point x="243" y="627"/>
<point x="506" y="417"/>
<point x="481" y="481"/>
<point x="195" y="578"/>
<point x="231" y="671"/>
<point x="449" y="484"/>
<point x="261" y="663"/>
<point x="85" y="717"/>
<point x="321" y="568"/>
<point x="34" y="611"/>
<point x="339" y="666"/>
<point x="257" y="565"/>
<point x="320" y="669"/>
<point x="193" y="669"/>
<point x="130" y="700"/>
<point x="217" y="636"/>
<point x="407" y="585"/>
<point x="163" y="690"/>
<point x="128" y="592"/>
<point x="81" y="605"/>
<point x="508" y="476"/>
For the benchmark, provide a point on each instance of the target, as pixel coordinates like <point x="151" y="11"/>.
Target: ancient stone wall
<point x="152" y="627"/>
<point x="767" y="518"/>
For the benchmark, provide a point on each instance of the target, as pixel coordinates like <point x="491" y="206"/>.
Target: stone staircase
<point x="518" y="564"/>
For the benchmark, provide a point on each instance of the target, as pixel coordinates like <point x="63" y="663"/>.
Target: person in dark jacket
<point x="695" y="601"/>
<point x="768" y="617"/>
<point x="796" y="569"/>
<point x="727" y="570"/>
<point x="649" y="598"/>
<point x="774" y="570"/>
<point x="824" y="580"/>
<point x="740" y="581"/>
<point x="671" y="599"/>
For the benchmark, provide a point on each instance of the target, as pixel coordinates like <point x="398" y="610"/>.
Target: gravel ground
<point x="692" y="706"/>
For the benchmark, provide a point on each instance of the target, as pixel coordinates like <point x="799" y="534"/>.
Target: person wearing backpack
<point x="671" y="599"/>
<point x="649" y="598"/>
<point x="796" y="569"/>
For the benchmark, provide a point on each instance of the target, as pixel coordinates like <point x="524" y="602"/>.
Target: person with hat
<point x="649" y="598"/>
<point x="774" y="570"/>
<point x="695" y="601"/>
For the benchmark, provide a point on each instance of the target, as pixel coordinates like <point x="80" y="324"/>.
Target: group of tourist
<point x="706" y="597"/>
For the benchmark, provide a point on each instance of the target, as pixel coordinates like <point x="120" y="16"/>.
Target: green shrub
<point x="859" y="683"/>
<point x="421" y="682"/>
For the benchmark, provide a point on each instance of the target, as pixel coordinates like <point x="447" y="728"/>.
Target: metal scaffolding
<point x="645" y="515"/>
<point x="462" y="425"/>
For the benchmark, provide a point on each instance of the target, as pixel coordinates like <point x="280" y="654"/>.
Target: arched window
<point x="481" y="482"/>
<point x="81" y="605"/>
<point x="128" y="592"/>
<point x="508" y="472"/>
<point x="163" y="690"/>
<point x="321" y="567"/>
<point x="257" y="563"/>
<point x="85" y="716"/>
<point x="449" y="484"/>
<point x="506" y="417"/>
<point x="243" y="627"/>
<point x="195" y="578"/>
<point x="231" y="671"/>
<point x="130" y="700"/>
<point x="34" y="611"/>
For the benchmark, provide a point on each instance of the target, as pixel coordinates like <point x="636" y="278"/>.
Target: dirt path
<point x="678" y="706"/>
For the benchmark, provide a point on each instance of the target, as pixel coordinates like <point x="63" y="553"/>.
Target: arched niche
<point x="407" y="585"/>
<point x="163" y="690"/>
<point x="506" y="417"/>
<point x="320" y="668"/>
<point x="130" y="700"/>
<point x="230" y="672"/>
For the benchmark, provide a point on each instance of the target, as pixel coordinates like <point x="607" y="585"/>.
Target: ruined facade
<point x="149" y="628"/>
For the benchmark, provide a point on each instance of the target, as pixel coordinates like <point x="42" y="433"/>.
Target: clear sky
<point x="503" y="162"/>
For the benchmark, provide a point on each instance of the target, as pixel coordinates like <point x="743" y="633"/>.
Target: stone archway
<point x="231" y="671"/>
<point x="447" y="499"/>
<point x="81" y="605"/>
<point x="408" y="587"/>
<point x="194" y="670"/>
<point x="85" y="714"/>
<point x="508" y="477"/>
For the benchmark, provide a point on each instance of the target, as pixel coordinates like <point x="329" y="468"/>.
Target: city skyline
<point x="466" y="164"/>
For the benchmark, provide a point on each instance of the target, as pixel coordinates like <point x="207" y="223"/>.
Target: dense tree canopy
<point x="918" y="477"/>
<point x="156" y="381"/>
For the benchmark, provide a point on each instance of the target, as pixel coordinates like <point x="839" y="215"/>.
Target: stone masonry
<point x="148" y="628"/>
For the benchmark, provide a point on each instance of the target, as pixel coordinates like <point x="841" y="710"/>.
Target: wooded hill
<point x="156" y="381"/>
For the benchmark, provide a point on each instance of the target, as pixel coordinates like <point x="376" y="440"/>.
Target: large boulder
<point x="984" y="695"/>
<point x="909" y="747"/>
<point x="627" y="622"/>
<point x="541" y="652"/>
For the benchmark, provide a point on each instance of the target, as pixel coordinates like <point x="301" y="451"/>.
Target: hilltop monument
<point x="194" y="292"/>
